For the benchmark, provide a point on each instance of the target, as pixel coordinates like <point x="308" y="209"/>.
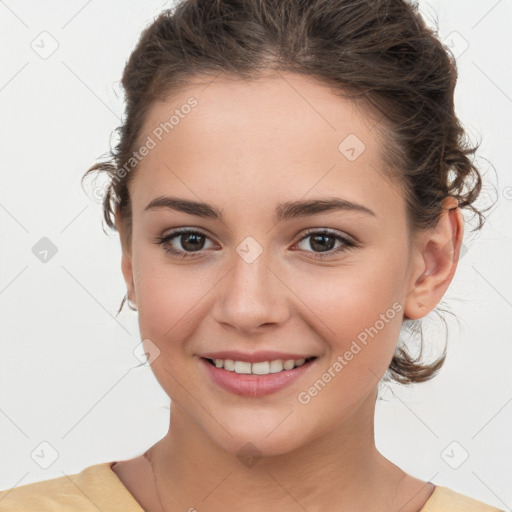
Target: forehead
<point x="280" y="135"/>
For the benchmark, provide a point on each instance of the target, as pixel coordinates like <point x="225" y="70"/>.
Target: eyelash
<point x="163" y="240"/>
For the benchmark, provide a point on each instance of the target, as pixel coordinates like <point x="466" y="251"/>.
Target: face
<point x="253" y="273"/>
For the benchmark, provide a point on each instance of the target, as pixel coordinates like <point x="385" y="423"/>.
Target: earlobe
<point x="436" y="262"/>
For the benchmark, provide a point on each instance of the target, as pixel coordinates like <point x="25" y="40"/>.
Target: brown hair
<point x="378" y="51"/>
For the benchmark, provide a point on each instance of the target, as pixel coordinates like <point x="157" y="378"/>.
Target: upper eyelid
<point x="310" y="231"/>
<point x="328" y="231"/>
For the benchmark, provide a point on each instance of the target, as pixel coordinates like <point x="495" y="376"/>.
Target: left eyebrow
<point x="284" y="211"/>
<point x="302" y="208"/>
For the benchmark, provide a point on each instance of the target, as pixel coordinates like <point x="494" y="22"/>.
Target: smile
<point x="259" y="368"/>
<point x="258" y="378"/>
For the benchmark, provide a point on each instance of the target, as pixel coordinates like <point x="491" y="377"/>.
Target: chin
<point x="270" y="436"/>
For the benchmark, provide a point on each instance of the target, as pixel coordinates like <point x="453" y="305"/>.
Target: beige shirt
<point x="97" y="488"/>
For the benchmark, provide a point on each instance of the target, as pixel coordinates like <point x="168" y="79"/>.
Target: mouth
<point x="258" y="368"/>
<point x="256" y="379"/>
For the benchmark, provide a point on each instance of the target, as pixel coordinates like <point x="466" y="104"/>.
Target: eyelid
<point x="167" y="238"/>
<point x="331" y="232"/>
<point x="347" y="243"/>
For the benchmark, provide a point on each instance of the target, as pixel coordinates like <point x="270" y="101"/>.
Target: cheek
<point x="168" y="297"/>
<point x="360" y="318"/>
<point x="169" y="303"/>
<point x="358" y="312"/>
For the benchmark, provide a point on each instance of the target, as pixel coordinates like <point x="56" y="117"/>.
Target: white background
<point x="67" y="371"/>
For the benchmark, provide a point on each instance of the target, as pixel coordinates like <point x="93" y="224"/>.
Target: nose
<point x="252" y="296"/>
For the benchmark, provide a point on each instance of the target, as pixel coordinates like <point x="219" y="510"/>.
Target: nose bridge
<point x="252" y="294"/>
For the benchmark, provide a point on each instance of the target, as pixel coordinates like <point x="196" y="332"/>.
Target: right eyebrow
<point x="185" y="206"/>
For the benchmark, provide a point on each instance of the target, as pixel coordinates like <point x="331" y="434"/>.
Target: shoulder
<point x="444" y="499"/>
<point x="94" y="488"/>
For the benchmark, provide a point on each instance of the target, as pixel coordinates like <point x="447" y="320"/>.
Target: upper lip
<point x="254" y="357"/>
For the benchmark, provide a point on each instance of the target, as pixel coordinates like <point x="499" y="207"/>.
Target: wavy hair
<point x="377" y="52"/>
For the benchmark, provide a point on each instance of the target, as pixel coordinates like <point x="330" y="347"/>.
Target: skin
<point x="245" y="148"/>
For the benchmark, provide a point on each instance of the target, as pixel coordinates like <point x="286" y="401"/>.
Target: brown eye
<point x="191" y="241"/>
<point x="183" y="242"/>
<point x="324" y="241"/>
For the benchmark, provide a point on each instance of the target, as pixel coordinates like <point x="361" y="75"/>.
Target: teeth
<point x="260" y="368"/>
<point x="288" y="364"/>
<point x="276" y="366"/>
<point x="229" y="364"/>
<point x="242" y="367"/>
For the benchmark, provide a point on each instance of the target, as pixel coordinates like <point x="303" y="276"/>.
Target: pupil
<point x="321" y="246"/>
<point x="194" y="245"/>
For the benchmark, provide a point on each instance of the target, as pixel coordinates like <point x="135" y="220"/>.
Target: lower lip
<point x="254" y="385"/>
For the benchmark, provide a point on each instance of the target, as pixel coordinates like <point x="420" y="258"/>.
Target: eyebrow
<point x="284" y="211"/>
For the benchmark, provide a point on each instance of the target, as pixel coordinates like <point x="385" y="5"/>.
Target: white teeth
<point x="288" y="364"/>
<point x="242" y="367"/>
<point x="260" y="368"/>
<point x="276" y="366"/>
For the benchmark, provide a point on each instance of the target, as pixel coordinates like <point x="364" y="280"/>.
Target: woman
<point x="288" y="190"/>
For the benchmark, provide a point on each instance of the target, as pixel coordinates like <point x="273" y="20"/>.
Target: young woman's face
<point x="257" y="274"/>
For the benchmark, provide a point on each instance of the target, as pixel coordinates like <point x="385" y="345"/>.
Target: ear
<point x="126" y="259"/>
<point x="436" y="255"/>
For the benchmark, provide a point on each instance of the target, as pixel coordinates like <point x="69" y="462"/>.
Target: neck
<point x="341" y="467"/>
